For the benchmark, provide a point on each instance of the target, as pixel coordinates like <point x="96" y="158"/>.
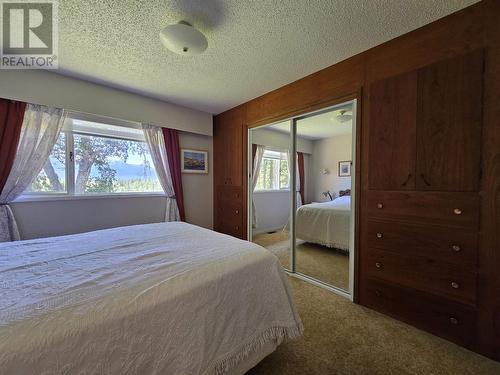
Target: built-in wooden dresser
<point x="418" y="253"/>
<point x="230" y="137"/>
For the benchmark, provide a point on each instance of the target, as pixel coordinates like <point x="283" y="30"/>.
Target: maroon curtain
<point x="300" y="161"/>
<point x="171" y="138"/>
<point x="11" y="121"/>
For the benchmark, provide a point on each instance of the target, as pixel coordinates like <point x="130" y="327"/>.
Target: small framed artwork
<point x="345" y="168"/>
<point x="194" y="161"/>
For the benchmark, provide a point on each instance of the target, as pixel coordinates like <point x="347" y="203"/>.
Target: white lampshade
<point x="183" y="39"/>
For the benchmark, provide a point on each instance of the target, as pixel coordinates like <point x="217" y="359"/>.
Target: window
<point x="96" y="158"/>
<point x="273" y="173"/>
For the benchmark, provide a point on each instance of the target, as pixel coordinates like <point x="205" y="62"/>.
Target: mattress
<point x="325" y="223"/>
<point x="166" y="298"/>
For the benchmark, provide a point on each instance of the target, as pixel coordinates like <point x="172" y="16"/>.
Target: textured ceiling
<point x="255" y="46"/>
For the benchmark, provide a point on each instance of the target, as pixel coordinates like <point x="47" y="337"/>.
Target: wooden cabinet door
<point x="228" y="148"/>
<point x="392" y="127"/>
<point x="234" y="153"/>
<point x="449" y="119"/>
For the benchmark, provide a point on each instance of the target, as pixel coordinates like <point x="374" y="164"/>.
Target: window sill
<point x="65" y="197"/>
<point x="271" y="191"/>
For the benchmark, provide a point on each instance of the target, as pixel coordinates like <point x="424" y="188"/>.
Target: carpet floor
<point x="344" y="338"/>
<point x="328" y="265"/>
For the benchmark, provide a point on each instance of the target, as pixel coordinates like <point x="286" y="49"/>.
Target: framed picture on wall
<point x="194" y="161"/>
<point x="345" y="168"/>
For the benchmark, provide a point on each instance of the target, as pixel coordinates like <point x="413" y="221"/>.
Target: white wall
<point x="273" y="207"/>
<point x="279" y="140"/>
<point x="43" y="87"/>
<point x="326" y="154"/>
<point x="53" y="218"/>
<point x="59" y="217"/>
<point x="198" y="188"/>
<point x="273" y="210"/>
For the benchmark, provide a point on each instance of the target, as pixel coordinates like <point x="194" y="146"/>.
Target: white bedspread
<point x="167" y="298"/>
<point x="325" y="223"/>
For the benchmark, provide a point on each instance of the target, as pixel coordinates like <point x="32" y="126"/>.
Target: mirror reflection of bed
<point x="323" y="163"/>
<point x="322" y="244"/>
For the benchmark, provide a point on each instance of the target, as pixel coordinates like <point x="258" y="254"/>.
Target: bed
<point x="325" y="223"/>
<point x="165" y="298"/>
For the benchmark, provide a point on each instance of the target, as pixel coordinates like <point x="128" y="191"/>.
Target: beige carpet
<point x="344" y="338"/>
<point x="322" y="263"/>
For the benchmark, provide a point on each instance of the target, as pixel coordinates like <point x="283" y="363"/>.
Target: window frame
<point x="70" y="166"/>
<point x="279" y="190"/>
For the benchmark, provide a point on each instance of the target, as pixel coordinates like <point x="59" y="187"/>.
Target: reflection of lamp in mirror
<point x="328" y="194"/>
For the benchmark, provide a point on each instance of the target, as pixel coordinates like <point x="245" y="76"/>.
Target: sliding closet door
<point x="323" y="163"/>
<point x="270" y="193"/>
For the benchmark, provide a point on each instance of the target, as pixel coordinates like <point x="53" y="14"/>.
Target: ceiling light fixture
<point x="183" y="39"/>
<point x="344" y="115"/>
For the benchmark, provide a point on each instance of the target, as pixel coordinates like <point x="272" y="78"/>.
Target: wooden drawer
<point x="453" y="321"/>
<point x="230" y="218"/>
<point x="422" y="273"/>
<point x="434" y="242"/>
<point x="233" y="229"/>
<point x="229" y="193"/>
<point x="449" y="209"/>
<point x="230" y="212"/>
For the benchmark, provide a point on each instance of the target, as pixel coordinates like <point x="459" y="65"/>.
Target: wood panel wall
<point x="473" y="28"/>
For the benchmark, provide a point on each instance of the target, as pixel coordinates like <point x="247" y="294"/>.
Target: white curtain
<point x="297" y="182"/>
<point x="298" y="201"/>
<point x="156" y="145"/>
<point x="39" y="132"/>
<point x="257" y="162"/>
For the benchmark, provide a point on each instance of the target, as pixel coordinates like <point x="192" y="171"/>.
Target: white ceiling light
<point x="184" y="39"/>
<point x="344" y="115"/>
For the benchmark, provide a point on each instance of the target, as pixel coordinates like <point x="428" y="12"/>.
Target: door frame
<point x="355" y="187"/>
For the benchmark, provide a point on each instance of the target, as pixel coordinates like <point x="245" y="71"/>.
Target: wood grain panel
<point x="425" y="208"/>
<point x="230" y="194"/>
<point x="453" y="321"/>
<point x="393" y="113"/>
<point x="433" y="242"/>
<point x="449" y="124"/>
<point x="422" y="273"/>
<point x="230" y="172"/>
<point x="312" y="92"/>
<point x="445" y="38"/>
<point x="489" y="258"/>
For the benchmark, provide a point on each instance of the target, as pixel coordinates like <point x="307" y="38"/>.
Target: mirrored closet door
<point x="301" y="193"/>
<point x="269" y="181"/>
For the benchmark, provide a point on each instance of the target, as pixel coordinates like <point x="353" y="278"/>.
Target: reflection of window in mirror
<point x="273" y="174"/>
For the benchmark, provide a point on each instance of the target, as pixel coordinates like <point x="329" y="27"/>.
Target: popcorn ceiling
<point x="254" y="46"/>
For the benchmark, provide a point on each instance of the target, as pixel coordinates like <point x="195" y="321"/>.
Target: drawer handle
<point x="453" y="320"/>
<point x="457" y="211"/>
<point x="380" y="205"/>
<point x="407" y="180"/>
<point x="425" y="180"/>
<point x="378" y="293"/>
<point x="456" y="248"/>
<point x="378" y="265"/>
<point x="236" y="211"/>
<point x="380" y="235"/>
<point x="455" y="285"/>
